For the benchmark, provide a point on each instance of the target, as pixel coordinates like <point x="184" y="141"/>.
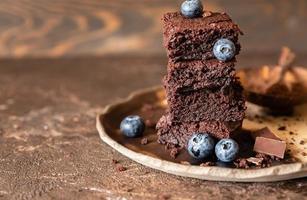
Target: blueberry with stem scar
<point x="226" y="150"/>
<point x="132" y="126"/>
<point x="201" y="145"/>
<point x="192" y="8"/>
<point x="224" y="49"/>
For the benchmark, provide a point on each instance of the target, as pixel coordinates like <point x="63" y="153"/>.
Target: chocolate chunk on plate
<point x="268" y="143"/>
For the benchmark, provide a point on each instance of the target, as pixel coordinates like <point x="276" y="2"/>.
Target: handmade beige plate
<point x="155" y="156"/>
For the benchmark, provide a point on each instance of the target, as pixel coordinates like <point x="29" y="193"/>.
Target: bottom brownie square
<point x="177" y="133"/>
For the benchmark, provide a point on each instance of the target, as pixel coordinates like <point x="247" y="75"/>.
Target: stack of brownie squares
<point x="203" y="93"/>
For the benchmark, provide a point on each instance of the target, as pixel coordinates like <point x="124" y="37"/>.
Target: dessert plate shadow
<point x="155" y="156"/>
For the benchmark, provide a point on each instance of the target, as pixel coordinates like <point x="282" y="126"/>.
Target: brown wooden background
<point x="52" y="28"/>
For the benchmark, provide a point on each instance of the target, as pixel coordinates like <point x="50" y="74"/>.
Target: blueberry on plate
<point x="192" y="8"/>
<point x="226" y="150"/>
<point x="132" y="126"/>
<point x="201" y="145"/>
<point x="224" y="49"/>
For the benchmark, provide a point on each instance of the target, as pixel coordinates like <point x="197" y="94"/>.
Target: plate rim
<point x="214" y="173"/>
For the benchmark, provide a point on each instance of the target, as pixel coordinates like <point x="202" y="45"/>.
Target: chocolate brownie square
<point x="178" y="133"/>
<point x="226" y="103"/>
<point x="193" y="39"/>
<point x="196" y="75"/>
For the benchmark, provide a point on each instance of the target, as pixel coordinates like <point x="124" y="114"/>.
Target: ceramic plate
<point x="155" y="156"/>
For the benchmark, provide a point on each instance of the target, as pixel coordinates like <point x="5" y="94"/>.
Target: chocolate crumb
<point x="267" y="160"/>
<point x="174" y="152"/>
<point x="302" y="142"/>
<point x="208" y="14"/>
<point x="120" y="168"/>
<point x="164" y="197"/>
<point x="255" y="161"/>
<point x="185" y="163"/>
<point x="144" y="141"/>
<point x="275" y="158"/>
<point x="304" y="153"/>
<point x="206" y="164"/>
<point x="241" y="163"/>
<point x="114" y="161"/>
<point x="291" y="133"/>
<point x="282" y="128"/>
<point x="291" y="143"/>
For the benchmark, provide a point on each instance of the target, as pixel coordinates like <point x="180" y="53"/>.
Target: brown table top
<point x="51" y="149"/>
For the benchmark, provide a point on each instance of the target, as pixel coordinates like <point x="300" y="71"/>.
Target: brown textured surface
<point x="51" y="149"/>
<point x="87" y="27"/>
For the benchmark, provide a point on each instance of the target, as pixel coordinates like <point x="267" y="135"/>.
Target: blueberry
<point x="224" y="49"/>
<point x="226" y="150"/>
<point x="201" y="145"/>
<point x="132" y="126"/>
<point x="192" y="8"/>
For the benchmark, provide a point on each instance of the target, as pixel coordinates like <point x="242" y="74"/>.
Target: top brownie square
<point x="193" y="39"/>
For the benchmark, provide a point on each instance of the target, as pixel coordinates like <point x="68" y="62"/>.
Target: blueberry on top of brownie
<point x="194" y="39"/>
<point x="192" y="8"/>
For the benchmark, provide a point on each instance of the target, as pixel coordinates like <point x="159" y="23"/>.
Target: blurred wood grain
<point x="52" y="28"/>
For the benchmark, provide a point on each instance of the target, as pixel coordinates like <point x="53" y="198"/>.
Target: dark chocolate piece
<point x="265" y="132"/>
<point x="193" y="39"/>
<point x="268" y="143"/>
